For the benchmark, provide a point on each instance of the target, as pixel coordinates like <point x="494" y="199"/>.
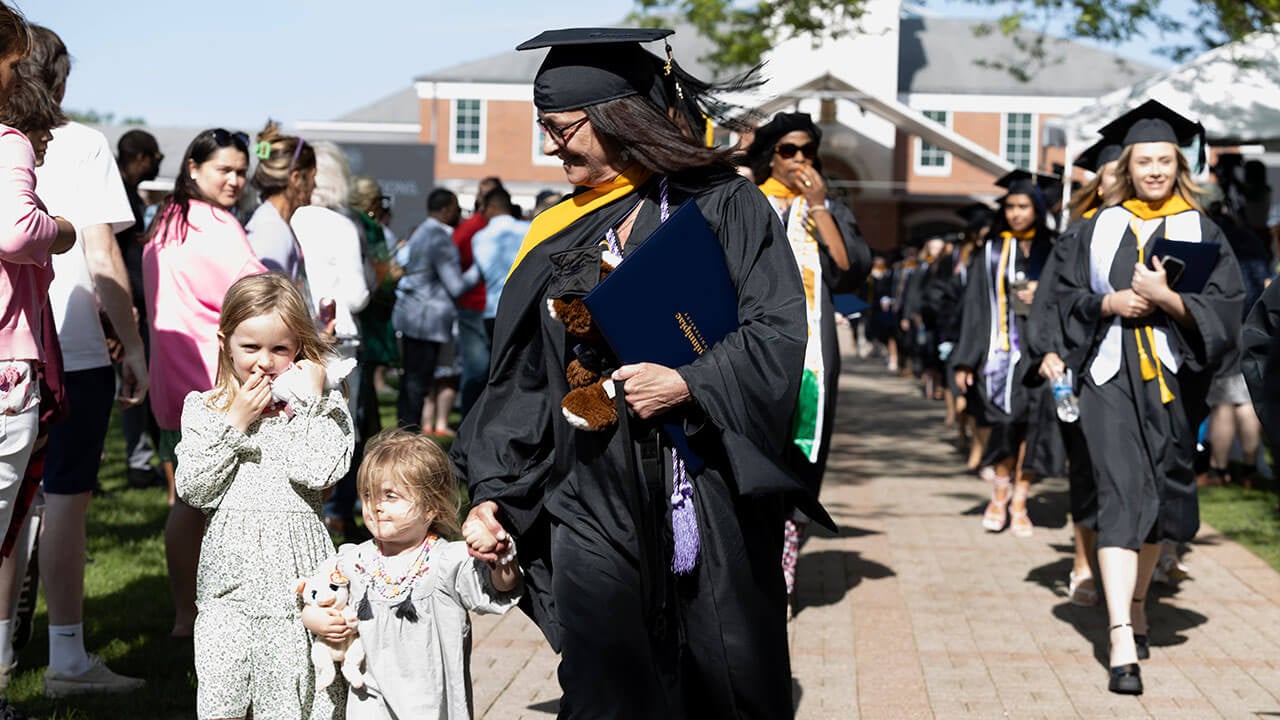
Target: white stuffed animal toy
<point x="329" y="588"/>
<point x="291" y="385"/>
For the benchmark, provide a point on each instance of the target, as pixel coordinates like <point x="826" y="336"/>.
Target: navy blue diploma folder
<point x="1198" y="260"/>
<point x="669" y="301"/>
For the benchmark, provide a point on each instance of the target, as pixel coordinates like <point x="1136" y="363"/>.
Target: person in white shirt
<point x="80" y="180"/>
<point x="336" y="273"/>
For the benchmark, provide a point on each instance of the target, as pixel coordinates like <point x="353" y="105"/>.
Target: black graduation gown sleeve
<point x="855" y="247"/>
<point x="975" y="319"/>
<point x="1261" y="360"/>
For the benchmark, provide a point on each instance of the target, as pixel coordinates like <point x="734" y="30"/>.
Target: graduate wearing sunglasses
<point x="832" y="257"/>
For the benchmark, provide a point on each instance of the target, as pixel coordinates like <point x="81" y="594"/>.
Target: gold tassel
<point x="1152" y="368"/>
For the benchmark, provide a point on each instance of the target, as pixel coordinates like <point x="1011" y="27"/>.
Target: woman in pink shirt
<point x="196" y="250"/>
<point x="28" y="237"/>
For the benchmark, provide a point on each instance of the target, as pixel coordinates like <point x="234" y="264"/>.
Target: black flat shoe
<point x="1143" y="646"/>
<point x="1126" y="680"/>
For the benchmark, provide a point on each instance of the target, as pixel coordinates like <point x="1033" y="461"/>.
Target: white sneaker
<point x="97" y="679"/>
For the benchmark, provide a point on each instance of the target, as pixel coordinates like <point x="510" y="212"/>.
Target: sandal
<point x="995" y="517"/>
<point x="1020" y="523"/>
<point x="1079" y="593"/>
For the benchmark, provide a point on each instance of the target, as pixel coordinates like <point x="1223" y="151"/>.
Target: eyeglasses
<point x="561" y="134"/>
<point x="789" y="150"/>
<point x="224" y="138"/>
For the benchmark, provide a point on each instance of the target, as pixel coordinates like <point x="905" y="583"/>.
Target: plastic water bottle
<point x="1064" y="398"/>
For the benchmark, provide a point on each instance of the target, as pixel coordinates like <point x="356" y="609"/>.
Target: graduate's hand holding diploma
<point x="1152" y="284"/>
<point x="651" y="389"/>
<point x="1126" y="304"/>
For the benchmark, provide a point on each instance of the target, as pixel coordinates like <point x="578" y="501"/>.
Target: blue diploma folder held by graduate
<point x="1196" y="260"/>
<point x="669" y="301"/>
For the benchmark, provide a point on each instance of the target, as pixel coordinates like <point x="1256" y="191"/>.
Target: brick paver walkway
<point x="913" y="611"/>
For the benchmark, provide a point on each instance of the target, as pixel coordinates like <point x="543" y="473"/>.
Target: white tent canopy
<point x="1234" y="90"/>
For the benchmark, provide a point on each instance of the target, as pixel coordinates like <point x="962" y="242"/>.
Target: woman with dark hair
<point x="831" y="257"/>
<point x="196" y="250"/>
<point x="659" y="585"/>
<point x="285" y="178"/>
<point x="992" y="349"/>
<point x="1151" y="351"/>
<point x="1048" y="344"/>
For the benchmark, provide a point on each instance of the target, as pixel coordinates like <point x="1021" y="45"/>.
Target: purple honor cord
<point x="684" y="519"/>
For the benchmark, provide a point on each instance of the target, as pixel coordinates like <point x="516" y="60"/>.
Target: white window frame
<point x="918" y="167"/>
<point x="538" y="157"/>
<point x="461" y="158"/>
<point x="1034" y="151"/>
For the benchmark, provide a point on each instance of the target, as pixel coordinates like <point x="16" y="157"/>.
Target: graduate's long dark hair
<point x="672" y="139"/>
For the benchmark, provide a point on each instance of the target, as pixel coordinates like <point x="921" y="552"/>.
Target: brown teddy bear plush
<point x="589" y="404"/>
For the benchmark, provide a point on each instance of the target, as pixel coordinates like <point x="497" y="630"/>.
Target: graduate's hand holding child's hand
<point x="250" y="399"/>
<point x="327" y="623"/>
<point x="485" y="514"/>
<point x="478" y="537"/>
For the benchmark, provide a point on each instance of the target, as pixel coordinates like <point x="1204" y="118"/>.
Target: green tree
<point x="742" y="31"/>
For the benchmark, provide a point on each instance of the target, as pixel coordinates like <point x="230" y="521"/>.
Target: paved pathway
<point x="913" y="611"/>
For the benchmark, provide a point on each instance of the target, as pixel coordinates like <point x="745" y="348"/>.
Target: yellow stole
<point x="567" y="212"/>
<point x="773" y="187"/>
<point x="1149" y="361"/>
<point x="1090" y="212"/>
<point x="1007" y="238"/>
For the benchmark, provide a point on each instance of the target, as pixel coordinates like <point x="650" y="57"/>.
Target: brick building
<point x="919" y="113"/>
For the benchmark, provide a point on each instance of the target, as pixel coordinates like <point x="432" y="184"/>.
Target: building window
<point x="1019" y="139"/>
<point x="468" y="131"/>
<point x="931" y="159"/>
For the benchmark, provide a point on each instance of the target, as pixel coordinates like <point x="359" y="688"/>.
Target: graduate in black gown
<point x="992" y="354"/>
<point x="643" y="628"/>
<point x="1152" y="351"/>
<point x="832" y="258"/>
<point x="1260" y="361"/>
<point x="1048" y="343"/>
<point x="970" y="421"/>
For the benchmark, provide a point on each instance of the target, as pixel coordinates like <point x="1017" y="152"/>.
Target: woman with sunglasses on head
<point x="641" y="570"/>
<point x="285" y="178"/>
<point x="992" y="353"/>
<point x="196" y="251"/>
<point x="1153" y="345"/>
<point x="832" y="257"/>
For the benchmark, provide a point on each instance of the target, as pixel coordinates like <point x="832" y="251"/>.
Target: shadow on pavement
<point x="551" y="707"/>
<point x="840" y="570"/>
<point x="1166" y="625"/>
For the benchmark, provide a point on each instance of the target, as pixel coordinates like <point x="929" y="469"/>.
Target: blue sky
<point x="236" y="62"/>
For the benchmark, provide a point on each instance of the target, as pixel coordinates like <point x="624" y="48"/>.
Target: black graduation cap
<point x="1098" y="154"/>
<point x="1021" y="182"/>
<point x="1152" y="121"/>
<point x="588" y="66"/>
<point x="975" y="215"/>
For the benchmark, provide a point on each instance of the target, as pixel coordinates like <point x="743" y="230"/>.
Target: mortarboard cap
<point x="1152" y="121"/>
<point x="1098" y="154"/>
<point x="1021" y="182"/>
<point x="588" y="66"/>
<point x="975" y="215"/>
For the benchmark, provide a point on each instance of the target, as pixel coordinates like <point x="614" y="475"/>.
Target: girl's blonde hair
<point x="421" y="467"/>
<point x="251" y="297"/>
<point x="1124" y="190"/>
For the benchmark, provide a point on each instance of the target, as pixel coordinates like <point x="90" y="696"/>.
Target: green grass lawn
<point x="1247" y="516"/>
<point x="127" y="608"/>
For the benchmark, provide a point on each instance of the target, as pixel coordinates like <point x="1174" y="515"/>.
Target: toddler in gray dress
<point x="412" y="587"/>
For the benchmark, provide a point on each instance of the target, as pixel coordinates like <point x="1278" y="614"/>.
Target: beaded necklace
<point x="391" y="588"/>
